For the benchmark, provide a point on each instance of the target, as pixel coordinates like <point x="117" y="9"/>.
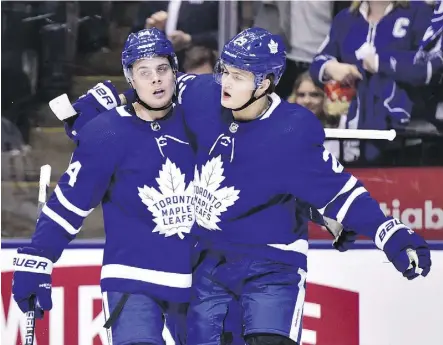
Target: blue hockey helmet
<point x="258" y="51"/>
<point x="145" y="44"/>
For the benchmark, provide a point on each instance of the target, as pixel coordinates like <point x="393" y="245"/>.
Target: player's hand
<point x="345" y="240"/>
<point x="102" y="97"/>
<point x="408" y="252"/>
<point x="32" y="277"/>
<point x="180" y="40"/>
<point x="370" y="63"/>
<point x="343" y="73"/>
<point x="157" y="20"/>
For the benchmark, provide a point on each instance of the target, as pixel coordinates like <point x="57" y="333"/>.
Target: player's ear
<point x="264" y="86"/>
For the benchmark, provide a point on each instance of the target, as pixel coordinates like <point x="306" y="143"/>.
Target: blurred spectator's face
<point x="206" y="68"/>
<point x="309" y="96"/>
<point x="154" y="81"/>
<point x="237" y="87"/>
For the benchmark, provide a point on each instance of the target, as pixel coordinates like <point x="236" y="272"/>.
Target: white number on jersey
<point x="336" y="166"/>
<point x="73" y="171"/>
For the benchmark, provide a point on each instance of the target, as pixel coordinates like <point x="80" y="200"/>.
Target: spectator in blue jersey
<point x="422" y="68"/>
<point x="370" y="27"/>
<point x="123" y="158"/>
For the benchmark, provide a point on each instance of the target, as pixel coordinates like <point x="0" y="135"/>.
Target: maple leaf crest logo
<point x="210" y="201"/>
<point x="273" y="47"/>
<point x="172" y="206"/>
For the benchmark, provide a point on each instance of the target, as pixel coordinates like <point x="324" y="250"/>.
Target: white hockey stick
<point x="62" y="108"/>
<point x="340" y="133"/>
<point x="43" y="185"/>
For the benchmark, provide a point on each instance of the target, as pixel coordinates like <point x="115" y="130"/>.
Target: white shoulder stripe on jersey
<point x="185" y="77"/>
<point x="122" y="112"/>
<point x="68" y="205"/>
<point x="276" y="100"/>
<point x="346" y="188"/>
<point x="175" y="280"/>
<point x="60" y="220"/>
<point x="180" y="92"/>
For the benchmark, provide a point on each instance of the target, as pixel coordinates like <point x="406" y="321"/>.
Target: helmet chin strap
<point x="146" y="106"/>
<point x="251" y="100"/>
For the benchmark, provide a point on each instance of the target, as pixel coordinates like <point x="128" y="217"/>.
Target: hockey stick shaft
<point x="340" y="133"/>
<point x="43" y="185"/>
<point x="30" y="322"/>
<point x="62" y="108"/>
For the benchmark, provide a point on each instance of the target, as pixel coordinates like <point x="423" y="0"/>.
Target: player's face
<point x="309" y="96"/>
<point x="237" y="87"/>
<point x="154" y="81"/>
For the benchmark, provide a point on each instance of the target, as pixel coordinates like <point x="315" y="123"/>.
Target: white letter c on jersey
<point x="400" y="26"/>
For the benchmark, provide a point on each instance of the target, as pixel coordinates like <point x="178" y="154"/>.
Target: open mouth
<point x="226" y="95"/>
<point x="159" y="93"/>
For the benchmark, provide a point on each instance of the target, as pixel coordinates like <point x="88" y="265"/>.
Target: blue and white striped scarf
<point x="432" y="39"/>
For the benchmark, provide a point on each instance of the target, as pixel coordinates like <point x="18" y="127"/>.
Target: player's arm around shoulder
<point x="101" y="98"/>
<point x="192" y="87"/>
<point x="317" y="177"/>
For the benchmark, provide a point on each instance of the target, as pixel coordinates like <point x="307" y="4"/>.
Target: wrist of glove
<point x="32" y="277"/>
<point x="407" y="251"/>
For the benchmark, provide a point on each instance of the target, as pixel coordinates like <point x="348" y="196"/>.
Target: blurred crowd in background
<point x="46" y="45"/>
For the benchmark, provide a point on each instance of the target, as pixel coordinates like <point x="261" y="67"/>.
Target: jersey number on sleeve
<point x="73" y="171"/>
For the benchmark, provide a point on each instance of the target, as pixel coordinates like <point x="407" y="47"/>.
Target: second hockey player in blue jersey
<point x="256" y="156"/>
<point x="137" y="162"/>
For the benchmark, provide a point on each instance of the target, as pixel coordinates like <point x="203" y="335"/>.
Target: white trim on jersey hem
<point x="170" y="279"/>
<point x="299" y="246"/>
<point x="68" y="205"/>
<point x="60" y="220"/>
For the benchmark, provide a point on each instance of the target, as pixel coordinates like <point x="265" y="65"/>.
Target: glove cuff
<point x="31" y="262"/>
<point x="106" y="95"/>
<point x="386" y="230"/>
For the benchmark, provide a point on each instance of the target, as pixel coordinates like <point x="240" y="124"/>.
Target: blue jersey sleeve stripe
<point x="68" y="205"/>
<point x="347" y="204"/>
<point x="60" y="221"/>
<point x="349" y="185"/>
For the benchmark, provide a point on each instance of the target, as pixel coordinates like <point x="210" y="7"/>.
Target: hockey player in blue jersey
<point x="137" y="162"/>
<point x="255" y="155"/>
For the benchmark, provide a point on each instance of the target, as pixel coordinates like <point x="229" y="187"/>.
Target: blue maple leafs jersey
<point x="250" y="174"/>
<point x="142" y="174"/>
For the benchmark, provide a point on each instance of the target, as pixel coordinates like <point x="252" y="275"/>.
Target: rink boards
<point x="353" y="298"/>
